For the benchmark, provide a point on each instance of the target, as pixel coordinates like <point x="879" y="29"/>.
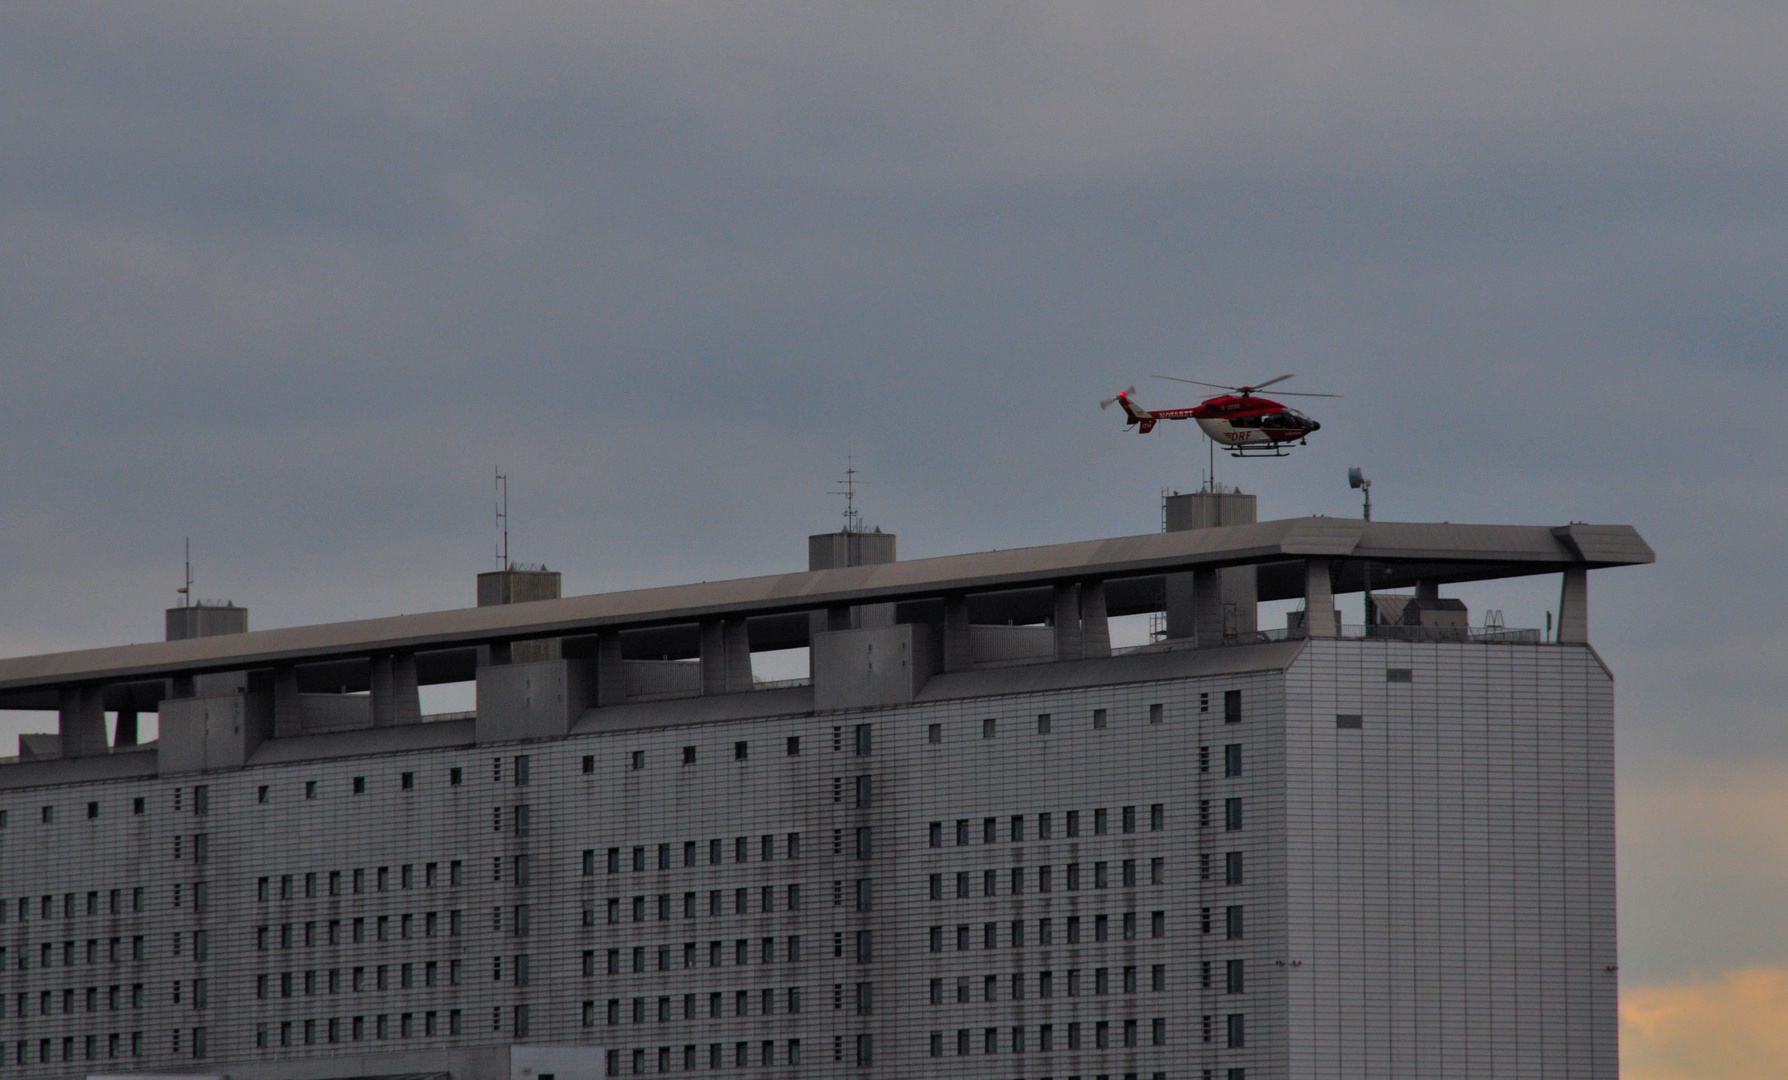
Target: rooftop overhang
<point x="1134" y="566"/>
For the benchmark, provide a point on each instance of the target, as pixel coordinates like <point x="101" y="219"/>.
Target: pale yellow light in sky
<point x="1732" y="1029"/>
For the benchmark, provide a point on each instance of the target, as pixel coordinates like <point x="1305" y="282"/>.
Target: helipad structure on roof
<point x="975" y="841"/>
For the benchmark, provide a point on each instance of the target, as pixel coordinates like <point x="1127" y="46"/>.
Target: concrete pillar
<point x="611" y="670"/>
<point x="1067" y="622"/>
<point x="838" y="617"/>
<point x="959" y="653"/>
<point x="1573" y="607"/>
<point x="738" y="656"/>
<point x="394" y="693"/>
<point x="1181" y="622"/>
<point x="288" y="717"/>
<point x="81" y="722"/>
<point x="125" y="733"/>
<point x="1095" y="629"/>
<point x="713" y="644"/>
<point x="1427" y="589"/>
<point x="1319" y="599"/>
<point x="1207" y="608"/>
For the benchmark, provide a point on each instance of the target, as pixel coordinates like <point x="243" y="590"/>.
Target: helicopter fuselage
<point x="1237" y="422"/>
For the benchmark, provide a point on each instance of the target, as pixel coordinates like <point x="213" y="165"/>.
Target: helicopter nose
<point x="1314" y="426"/>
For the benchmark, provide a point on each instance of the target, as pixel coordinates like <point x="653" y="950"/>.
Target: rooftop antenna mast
<point x="500" y="485"/>
<point x="185" y="591"/>
<point x="851" y="522"/>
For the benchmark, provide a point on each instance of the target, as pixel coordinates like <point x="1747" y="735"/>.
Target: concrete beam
<point x="611" y="670"/>
<point x="1573" y="607"/>
<point x="1095" y="628"/>
<point x="81" y="722"/>
<point x="1067" y="622"/>
<point x="738" y="656"/>
<point x="1319" y="599"/>
<point x="1207" y="608"/>
<point x="288" y="708"/>
<point x="713" y="657"/>
<point x="394" y="693"/>
<point x="959" y="649"/>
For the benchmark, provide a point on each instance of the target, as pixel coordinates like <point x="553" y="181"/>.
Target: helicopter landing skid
<point x="1276" y="451"/>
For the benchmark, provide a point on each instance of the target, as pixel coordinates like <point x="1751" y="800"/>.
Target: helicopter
<point x="1240" y="422"/>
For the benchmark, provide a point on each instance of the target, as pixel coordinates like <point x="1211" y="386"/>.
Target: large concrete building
<point x="977" y="842"/>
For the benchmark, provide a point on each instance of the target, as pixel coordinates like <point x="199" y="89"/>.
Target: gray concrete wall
<point x="888" y="665"/>
<point x="1450" y="862"/>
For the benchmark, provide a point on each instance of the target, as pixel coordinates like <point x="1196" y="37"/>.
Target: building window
<point x="937" y="834"/>
<point x="1099" y="718"/>
<point x="637" y="761"/>
<point x="934" y="734"/>
<point x="1232" y="815"/>
<point x="988" y="727"/>
<point x="1399" y="674"/>
<point x="310" y="789"/>
<point x="741" y="751"/>
<point x="1233" y="979"/>
<point x="1042" y="723"/>
<point x="1238" y="1031"/>
<point x="793" y="747"/>
<point x="865" y="744"/>
<point x="407" y="782"/>
<point x="455" y="776"/>
<point x="1349" y="721"/>
<point x="1232" y="922"/>
<point x="1232" y="868"/>
<point x="1157" y="713"/>
<point x="1232" y="706"/>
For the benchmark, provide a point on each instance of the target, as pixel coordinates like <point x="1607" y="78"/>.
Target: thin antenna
<point x="850" y="482"/>
<point x="500" y="485"/>
<point x="185" y="591"/>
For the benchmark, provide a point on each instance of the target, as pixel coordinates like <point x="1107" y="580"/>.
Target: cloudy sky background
<point x="291" y="279"/>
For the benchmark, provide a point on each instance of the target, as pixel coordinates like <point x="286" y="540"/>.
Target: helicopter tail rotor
<point x="1108" y="402"/>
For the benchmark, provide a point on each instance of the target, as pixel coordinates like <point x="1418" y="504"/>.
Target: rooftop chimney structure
<point x="1211" y="606"/>
<point x="848" y="547"/>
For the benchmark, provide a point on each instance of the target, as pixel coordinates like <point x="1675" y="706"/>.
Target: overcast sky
<point x="291" y="279"/>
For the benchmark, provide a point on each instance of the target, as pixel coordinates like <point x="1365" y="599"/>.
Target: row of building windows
<point x="991" y="934"/>
<point x="762" y="900"/>
<point x="1017" y="984"/>
<point x="765" y="848"/>
<point x="739" y="1055"/>
<point x="762" y="1002"/>
<point x="93" y="1047"/>
<point x="381" y="879"/>
<point x="964" y="882"/>
<point x="862" y="744"/>
<point x="98" y="950"/>
<point x="408" y="925"/>
<point x="109" y="998"/>
<point x="46" y="815"/>
<point x="990" y="831"/>
<point x="335" y="1029"/>
<point x="640" y="958"/>
<point x="1014" y="1040"/>
<point x="113" y="902"/>
<point x="358" y="980"/>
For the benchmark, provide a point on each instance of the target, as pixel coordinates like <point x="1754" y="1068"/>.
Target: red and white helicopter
<point x="1240" y="422"/>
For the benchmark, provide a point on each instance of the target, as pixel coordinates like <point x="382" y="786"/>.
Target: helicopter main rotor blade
<point x="1293" y="393"/>
<point x="1269" y="382"/>
<point x="1196" y="382"/>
